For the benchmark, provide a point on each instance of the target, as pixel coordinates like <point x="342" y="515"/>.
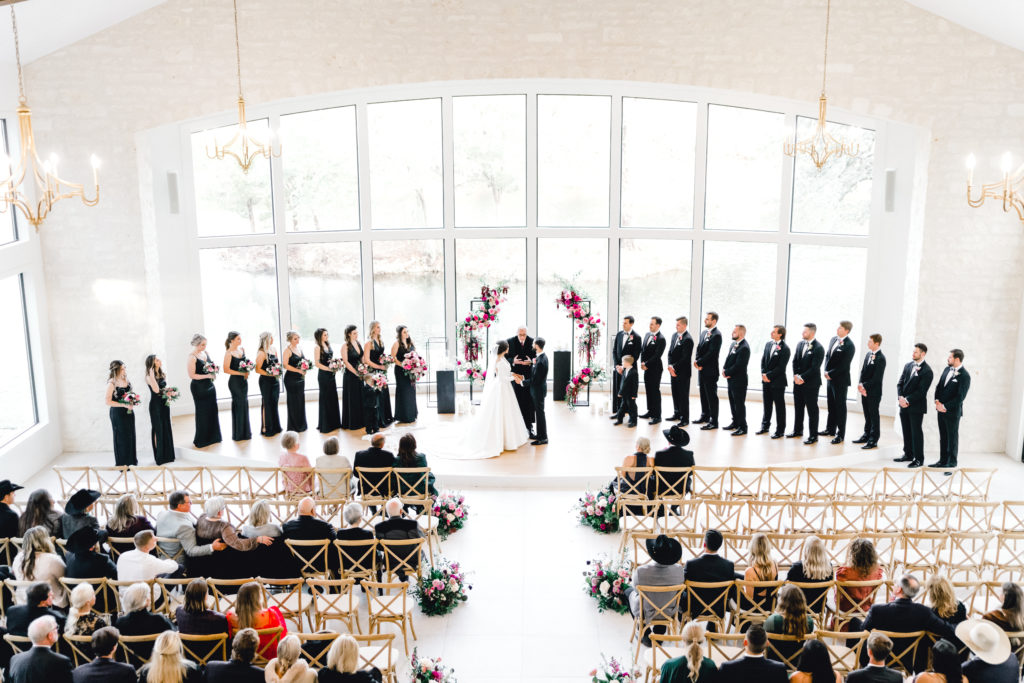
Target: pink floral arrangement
<point x="210" y="368"/>
<point x="170" y="395"/>
<point x="572" y="300"/>
<point x="379" y="380"/>
<point x="597" y="510"/>
<point x="580" y="382"/>
<point x="387" y="360"/>
<point x="335" y="364"/>
<point x="130" y="399"/>
<point x="442" y="588"/>
<point x="274" y="369"/>
<point x="414" y="366"/>
<point x="425" y="670"/>
<point x="472" y="371"/>
<point x="303" y="364"/>
<point x="606" y="580"/>
<point x="246" y="365"/>
<point x="451" y="511"/>
<point x="612" y="671"/>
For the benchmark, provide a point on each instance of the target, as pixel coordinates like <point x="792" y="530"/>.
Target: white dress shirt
<point x="136" y="565"/>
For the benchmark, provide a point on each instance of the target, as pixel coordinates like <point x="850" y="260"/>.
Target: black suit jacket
<point x="914" y="387"/>
<point x="708" y="568"/>
<point x="680" y="351"/>
<point x="904" y="615"/>
<point x="630" y="383"/>
<point x="517" y="350"/>
<point x="631" y="347"/>
<point x="750" y="669"/>
<point x="875" y="674"/>
<point x="736" y="362"/>
<point x="39" y="665"/>
<point x="807" y="361"/>
<point x="539" y="380"/>
<point x="837" y="362"/>
<point x="307" y="528"/>
<point x="8" y="522"/>
<point x="142" y="623"/>
<point x="397" y="529"/>
<point x="652" y="351"/>
<point x="20" y="616"/>
<point x="373" y="458"/>
<point x="952" y="394"/>
<point x="774" y="362"/>
<point x="871" y="374"/>
<point x="708" y="350"/>
<point x="674" y="456"/>
<point x="102" y="670"/>
<point x="89" y="565"/>
<point x="234" y="671"/>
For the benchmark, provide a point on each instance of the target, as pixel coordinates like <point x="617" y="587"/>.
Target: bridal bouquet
<point x="597" y="510"/>
<point x="430" y="670"/>
<point x="414" y="366"/>
<point x="606" y="580"/>
<point x="334" y="364"/>
<point x="611" y="671"/>
<point x="210" y="368"/>
<point x="441" y="589"/>
<point x="130" y="399"/>
<point x="451" y="510"/>
<point x="303" y="365"/>
<point x="579" y="383"/>
<point x="170" y="395"/>
<point x="246" y="365"/>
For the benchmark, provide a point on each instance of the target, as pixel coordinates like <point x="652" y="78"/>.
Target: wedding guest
<point x="405" y="389"/>
<point x="791" y="619"/>
<point x="122" y="417"/>
<point x="760" y="567"/>
<point x="9" y="518"/>
<point x="38" y="603"/>
<point x="330" y="411"/>
<point x="103" y="669"/>
<point x="202" y="371"/>
<point x="295" y="382"/>
<point x="629" y="386"/>
<point x="371" y="403"/>
<point x="397" y="527"/>
<point x="159" y="411"/>
<point x="943" y="600"/>
<point x="993" y="661"/>
<point x="861" y="565"/>
<point x="136" y="618"/>
<point x="333" y="484"/>
<point x="372" y="352"/>
<point x="194" y="617"/>
<point x="692" y="667"/>
<point x="409" y="457"/>
<point x="352" y="515"/>
<point x="238" y="385"/>
<point x="39" y="511"/>
<point x="84" y="559"/>
<point x="813" y="567"/>
<point x="240" y="669"/>
<point x="709" y="567"/>
<point x="352" y="411"/>
<point x="753" y="666"/>
<point x="307" y="526"/>
<point x="638" y="459"/>
<point x="251" y="611"/>
<point x="139" y="565"/>
<point x="295" y="483"/>
<point x="176" y="523"/>
<point x="878" y="648"/>
<point x="168" y="663"/>
<point x="343" y="664"/>
<point x="1009" y="616"/>
<point x="663" y="571"/>
<point x="211" y="526"/>
<point x="126" y="521"/>
<point x="288" y="666"/>
<point x="903" y="615"/>
<point x="815" y="665"/>
<point x="38" y="561"/>
<point x="270" y="385"/>
<point x="943" y="664"/>
<point x="82" y="621"/>
<point x="40" y="662"/>
<point x="259" y="523"/>
<point x="675" y="455"/>
<point x="373" y="457"/>
<point x="76" y="513"/>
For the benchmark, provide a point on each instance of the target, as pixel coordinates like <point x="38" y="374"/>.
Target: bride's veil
<point x="492" y="368"/>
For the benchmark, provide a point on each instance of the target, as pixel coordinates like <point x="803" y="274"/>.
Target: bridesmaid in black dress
<point x="330" y="412"/>
<point x="352" y="383"/>
<point x="372" y="352"/>
<point x="122" y="418"/>
<point x="238" y="385"/>
<point x="203" y="394"/>
<point x="159" y="411"/>
<point x="270" y="385"/>
<point x="405" y="388"/>
<point x="295" y="383"/>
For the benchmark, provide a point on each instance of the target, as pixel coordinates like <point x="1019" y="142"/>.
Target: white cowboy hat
<point x="986" y="640"/>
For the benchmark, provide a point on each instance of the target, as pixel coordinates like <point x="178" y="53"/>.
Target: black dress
<point x="270" y="390"/>
<point x="295" y="388"/>
<point x="239" y="388"/>
<point x="123" y="422"/>
<point x="205" y="397"/>
<point x="330" y="411"/>
<point x="384" y="417"/>
<point x="405" y="389"/>
<point x="160" y="419"/>
<point x="352" y="392"/>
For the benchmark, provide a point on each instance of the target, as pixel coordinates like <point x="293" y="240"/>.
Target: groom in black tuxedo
<point x="539" y="391"/>
<point x="520" y="356"/>
<point x="627" y="343"/>
<point x="650" y="362"/>
<point x="680" y="352"/>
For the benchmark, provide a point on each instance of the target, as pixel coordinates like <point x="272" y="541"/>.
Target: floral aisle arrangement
<point x="414" y="366"/>
<point x="426" y="670"/>
<point x="468" y="331"/>
<point x="580" y="381"/>
<point x="597" y="510"/>
<point x="606" y="580"/>
<point x="131" y="400"/>
<point x="451" y="511"/>
<point x="170" y="395"/>
<point x="442" y="588"/>
<point x="613" y="671"/>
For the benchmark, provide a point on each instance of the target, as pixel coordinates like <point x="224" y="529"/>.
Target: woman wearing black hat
<point x="674" y="456"/>
<point x="76" y="513"/>
<point x="8" y="517"/>
<point x="84" y="561"/>
<point x="122" y="418"/>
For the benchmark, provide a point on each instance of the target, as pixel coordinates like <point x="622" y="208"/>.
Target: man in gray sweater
<point x="664" y="571"/>
<point x="175" y="522"/>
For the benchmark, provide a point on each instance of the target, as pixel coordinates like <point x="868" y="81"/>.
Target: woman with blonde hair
<point x="343" y="664"/>
<point x="267" y="363"/>
<point x="251" y="611"/>
<point x="693" y="667"/>
<point x="287" y="667"/>
<point x="372" y="352"/>
<point x="295" y="382"/>
<point x="82" y="621"/>
<point x="127" y="521"/>
<point x="761" y="568"/>
<point x="122" y="417"/>
<point x="943" y="601"/>
<point x="202" y="371"/>
<point x="259" y="523"/>
<point x="638" y="459"/>
<point x="168" y="663"/>
<point x="37" y="561"/>
<point x="813" y="567"/>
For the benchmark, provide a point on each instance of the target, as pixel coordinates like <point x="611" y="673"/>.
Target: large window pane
<point x="405" y="164"/>
<point x="744" y="169"/>
<point x="229" y="201"/>
<point x="408" y="289"/>
<point x="573" y="148"/>
<point x="8" y="228"/>
<point x="321" y="186"/>
<point x="490" y="160"/>
<point x="739" y="285"/>
<point x="17" y="400"/>
<point x="835" y="199"/>
<point x="583" y="262"/>
<point x="489" y="261"/>
<point x="658" y="142"/>
<point x="325" y="288"/>
<point x="240" y="294"/>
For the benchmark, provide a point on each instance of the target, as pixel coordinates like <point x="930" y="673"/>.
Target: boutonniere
<point x="775" y="348"/>
<point x="954" y="379"/>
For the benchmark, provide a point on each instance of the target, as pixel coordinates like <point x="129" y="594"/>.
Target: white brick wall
<point x="888" y="59"/>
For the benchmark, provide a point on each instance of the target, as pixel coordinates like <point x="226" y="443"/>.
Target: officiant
<point x="521" y="355"/>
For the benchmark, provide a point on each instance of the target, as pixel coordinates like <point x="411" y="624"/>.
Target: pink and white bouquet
<point x="597" y="510"/>
<point x="246" y="365"/>
<point x="580" y="382"/>
<point x="606" y="580"/>
<point x="425" y="670"/>
<point x="414" y="366"/>
<point x="130" y="399"/>
<point x="612" y="671"/>
<point x="473" y="372"/>
<point x="211" y="368"/>
<point x="379" y="380"/>
<point x="450" y="510"/>
<point x="303" y="364"/>
<point x="442" y="588"/>
<point x="275" y="369"/>
<point x="170" y="395"/>
<point x="335" y="364"/>
<point x="387" y="360"/>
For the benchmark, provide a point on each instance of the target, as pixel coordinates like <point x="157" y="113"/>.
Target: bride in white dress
<point x="498" y="424"/>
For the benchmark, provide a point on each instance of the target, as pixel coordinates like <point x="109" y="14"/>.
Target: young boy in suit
<point x="628" y="389"/>
<point x="371" y="400"/>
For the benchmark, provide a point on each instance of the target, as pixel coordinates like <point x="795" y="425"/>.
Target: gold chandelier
<point x="822" y="146"/>
<point x="1008" y="191"/>
<point x="243" y="147"/>
<point x="49" y="187"/>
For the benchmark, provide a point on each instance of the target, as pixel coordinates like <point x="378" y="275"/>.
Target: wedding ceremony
<point x="464" y="341"/>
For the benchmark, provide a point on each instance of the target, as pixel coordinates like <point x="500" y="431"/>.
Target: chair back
<point x="269" y="638"/>
<point x="724" y="647"/>
<point x="225" y="592"/>
<point x="671" y="483"/>
<point x="289" y="597"/>
<point x="315" y="647"/>
<point x="334" y="600"/>
<point x="850" y="606"/>
<point x="906" y="650"/>
<point x="106" y="601"/>
<point x="374" y="484"/>
<point x="844" y="648"/>
<point x="376" y="650"/>
<point x="80" y="648"/>
<point x="756" y="609"/>
<point x="313" y="557"/>
<point x="333" y="483"/>
<point x="203" y="649"/>
<point x="138" y="649"/>
<point x="709" y="601"/>
<point x="402" y="556"/>
<point x="18" y="643"/>
<point x="357" y="559"/>
<point x="786" y="649"/>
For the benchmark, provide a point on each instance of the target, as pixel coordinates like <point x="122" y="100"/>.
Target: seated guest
<point x="295" y="483"/>
<point x="761" y="567"/>
<point x="76" y="513"/>
<point x="251" y="611"/>
<point x="127" y="521"/>
<point x="812" y="567"/>
<point x="176" y="523"/>
<point x="137" y="619"/>
<point x="40" y="604"/>
<point x="8" y="517"/>
<point x="815" y="664"/>
<point x="862" y="565"/>
<point x="333" y="485"/>
<point x="675" y="455"/>
<point x="903" y="615"/>
<point x="792" y="619"/>
<point x="639" y="459"/>
<point x="103" y="669"/>
<point x="287" y="666"/>
<point x="40" y="664"/>
<point x="194" y="617"/>
<point x="409" y="457"/>
<point x="140" y="565"/>
<point x="373" y="457"/>
<point x="82" y="621"/>
<point x="1009" y="617"/>
<point x="943" y="664"/>
<point x="84" y="559"/>
<point x="259" y="523"/>
<point x="168" y="663"/>
<point x="210" y="525"/>
<point x="753" y="666"/>
<point x="352" y="515"/>
<point x="307" y="526"/>
<point x="37" y="561"/>
<point x="39" y="511"/>
<point x="678" y="669"/>
<point x="343" y="664"/>
<point x="240" y="669"/>
<point x="664" y="571"/>
<point x="879" y="648"/>
<point x="993" y="661"/>
<point x="943" y="600"/>
<point x="708" y="567"/>
<point x="396" y="527"/>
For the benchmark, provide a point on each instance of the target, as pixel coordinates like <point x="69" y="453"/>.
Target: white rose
<point x="590" y="509"/>
<point x="605" y="587"/>
<point x="450" y="517"/>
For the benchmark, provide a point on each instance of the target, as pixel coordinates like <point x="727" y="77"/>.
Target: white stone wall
<point x="888" y="59"/>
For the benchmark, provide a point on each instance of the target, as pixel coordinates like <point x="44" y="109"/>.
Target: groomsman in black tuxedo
<point x="706" y="362"/>
<point x="774" y="361"/>
<point x="627" y="343"/>
<point x="650" y="362"/>
<point x="539" y="390"/>
<point x="628" y="390"/>
<point x="806" y="381"/>
<point x="521" y="355"/>
<point x="735" y="372"/>
<point x="680" y="351"/>
<point x="837" y="371"/>
<point x="912" y="390"/>
<point x="950" y="393"/>
<point x="869" y="386"/>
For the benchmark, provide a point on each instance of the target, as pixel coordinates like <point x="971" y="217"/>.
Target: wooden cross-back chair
<point x="936" y="483"/>
<point x="850" y="515"/>
<point x="229" y="482"/>
<point x="898" y="483"/>
<point x="634" y="485"/>
<point x="151" y="482"/>
<point x="411" y="485"/>
<point x="905" y="647"/>
<point x="106" y="601"/>
<point x="225" y="592"/>
<point x="316" y="647"/>
<point x="726" y="515"/>
<point x="922" y="552"/>
<point x="80" y="648"/>
<point x="969" y="553"/>
<point x="296" y="482"/>
<point x="72" y="479"/>
<point x="680" y="515"/>
<point x="664" y="604"/>
<point x="172" y="595"/>
<point x="138" y="649"/>
<point x="289" y="597"/>
<point x="972" y="483"/>
<point x="334" y="483"/>
<point x="787" y="546"/>
<point x="724" y="647"/>
<point x="786" y="649"/>
<point x="783" y="483"/>
<point x="1012" y="517"/>
<point x="861" y="482"/>
<point x="816" y="594"/>
<point x="664" y="646"/>
<point x="672" y="483"/>
<point x="744" y="483"/>
<point x="402" y="557"/>
<point x="203" y="649"/>
<point x="1010" y="552"/>
<point x="930" y="516"/>
<point x="273" y="638"/>
<point x="810" y="516"/>
<point x="708" y="482"/>
<point x="889" y="515"/>
<point x="824" y="483"/>
<point x="313" y="557"/>
<point x="853" y="607"/>
<point x="736" y="545"/>
<point x="263" y="482"/>
<point x="974" y="516"/>
<point x="374" y="485"/>
<point x="357" y="559"/>
<point x="640" y="516"/>
<point x="111" y="481"/>
<point x="710" y="601"/>
<point x="843" y="647"/>
<point x="769" y="514"/>
<point x="334" y="600"/>
<point x="377" y="650"/>
<point x="388" y="602"/>
<point x="755" y="610"/>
